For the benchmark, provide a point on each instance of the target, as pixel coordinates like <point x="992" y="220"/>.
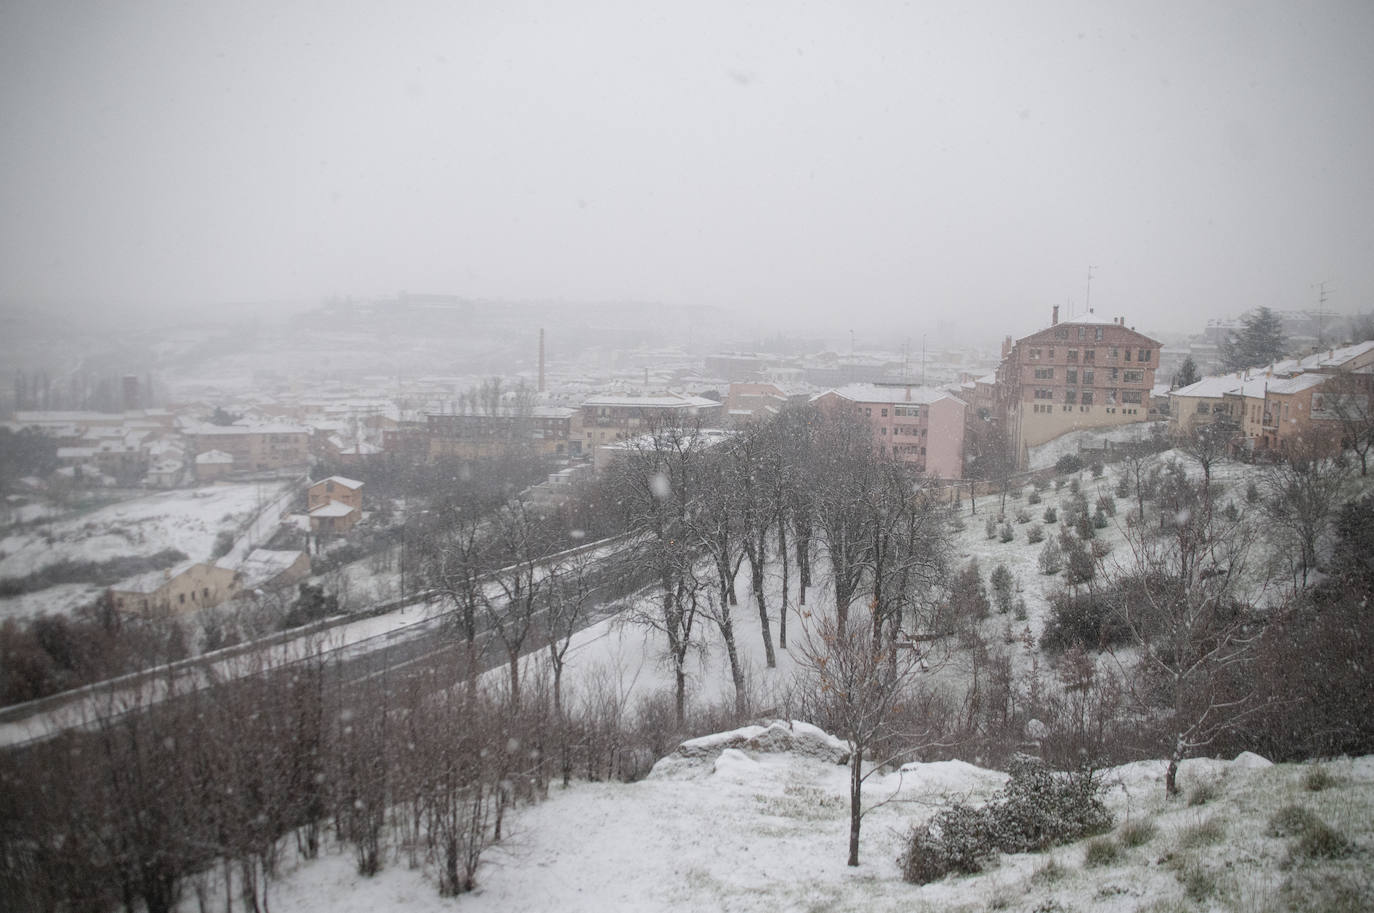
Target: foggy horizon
<point x="830" y="167"/>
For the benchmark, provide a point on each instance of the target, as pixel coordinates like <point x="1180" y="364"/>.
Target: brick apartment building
<point x="1086" y="372"/>
<point x="549" y="430"/>
<point x="255" y="447"/>
<point x="606" y="419"/>
<point x="917" y="425"/>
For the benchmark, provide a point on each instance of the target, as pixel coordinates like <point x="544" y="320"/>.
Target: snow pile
<point x="778" y="737"/>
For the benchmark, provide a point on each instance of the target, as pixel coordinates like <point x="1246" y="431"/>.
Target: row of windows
<point x="1113" y="352"/>
<point x="1127" y="396"/>
<point x="900" y="411"/>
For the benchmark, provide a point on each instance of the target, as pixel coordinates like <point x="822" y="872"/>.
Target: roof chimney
<point x="1054" y="316"/>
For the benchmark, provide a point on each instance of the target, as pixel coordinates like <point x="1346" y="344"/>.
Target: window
<point x="1134" y="377"/>
<point x="1051" y="353"/>
<point x="1044" y="394"/>
<point x="1044" y="373"/>
<point x="1087" y="397"/>
<point x="1071" y="375"/>
<point x="1087" y="377"/>
<point x="883" y="432"/>
<point x="1203" y="408"/>
<point x="884" y="413"/>
<point x="1116" y="353"/>
<point x="181" y="598"/>
<point x="205" y="591"/>
<point x="1111" y="397"/>
<point x="1115" y="375"/>
<point x="1073" y="356"/>
<point x="1090" y="355"/>
<point x="1061" y="333"/>
<point x="1128" y="354"/>
<point x="868" y="410"/>
<point x="907" y="411"/>
<point x="1098" y="335"/>
<point x="1144" y="355"/>
<point x="1070" y="396"/>
<point x="1034" y="354"/>
<point x="1082" y="333"/>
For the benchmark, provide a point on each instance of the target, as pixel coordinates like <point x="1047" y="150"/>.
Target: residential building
<point x="549" y="430"/>
<point x="1085" y="372"/>
<point x="917" y="425"/>
<point x="213" y="464"/>
<point x="273" y="569"/>
<point x="184" y="588"/>
<point x="1239" y="397"/>
<point x="335" y="488"/>
<point x="607" y="419"/>
<point x="255" y="447"/>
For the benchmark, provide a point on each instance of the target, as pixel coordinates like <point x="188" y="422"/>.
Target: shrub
<point x="1252" y="492"/>
<point x="1080" y="566"/>
<point x="1006" y="533"/>
<point x="1138" y="833"/>
<point x="1051" y="558"/>
<point x="1035" y="533"/>
<point x="1048" y="873"/>
<point x="1096" y="469"/>
<point x="1201" y="834"/>
<point x="1023" y="516"/>
<point x="1021" y="614"/>
<point x="1123" y="488"/>
<point x="1069" y="462"/>
<point x="1203" y="793"/>
<point x="1037" y="809"/>
<point x="968" y="597"/>
<point x="1051" y="515"/>
<point x="1003" y="588"/>
<point x="1292" y="821"/>
<point x="224" y="543"/>
<point x="1322" y="842"/>
<point x="1058" y="484"/>
<point x="1099" y="520"/>
<point x="1034" y="496"/>
<point x="1101" y="851"/>
<point x="1106" y="504"/>
<point x="1087" y="620"/>
<point x="1198" y="883"/>
<point x="990" y="527"/>
<point x="1317" y="779"/>
<point x="1074" y="486"/>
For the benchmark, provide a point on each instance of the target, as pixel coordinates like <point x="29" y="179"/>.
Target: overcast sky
<point x="875" y="160"/>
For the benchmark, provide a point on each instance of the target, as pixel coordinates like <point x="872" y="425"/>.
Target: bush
<point x="1051" y="558"/>
<point x="1252" y="493"/>
<point x="1003" y="588"/>
<point x="1087" y="620"/>
<point x="1201" y="834"/>
<point x="1036" y="810"/>
<point x="1035" y="533"/>
<point x="1074" y="486"/>
<point x="1096" y="469"/>
<point x="1201" y="794"/>
<point x="1069" y="462"/>
<point x="1099" y="520"/>
<point x="1051" y="515"/>
<point x="1123" y="487"/>
<point x="1106" y="504"/>
<point x="990" y="527"/>
<point x="1292" y="821"/>
<point x="1317" y="779"/>
<point x="1034" y="496"/>
<point x="1322" y="842"/>
<point x="1023" y="516"/>
<point x="1138" y="833"/>
<point x="1006" y="533"/>
<point x="1101" y="851"/>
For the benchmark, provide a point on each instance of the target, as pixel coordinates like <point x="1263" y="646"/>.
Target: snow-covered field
<point x="187" y="519"/>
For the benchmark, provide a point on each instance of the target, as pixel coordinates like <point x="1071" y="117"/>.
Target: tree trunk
<point x="756" y="559"/>
<point x="680" y="692"/>
<point x="856" y="784"/>
<point x="727" y="634"/>
<point x="782" y="613"/>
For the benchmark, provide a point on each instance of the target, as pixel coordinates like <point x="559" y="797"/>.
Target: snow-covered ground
<point x="761" y="831"/>
<point x="1048" y="453"/>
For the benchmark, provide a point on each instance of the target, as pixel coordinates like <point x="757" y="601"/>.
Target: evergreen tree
<point x="1258" y="342"/>
<point x="1187" y="373"/>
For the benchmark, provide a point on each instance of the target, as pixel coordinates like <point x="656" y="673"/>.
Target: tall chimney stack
<point x="541" y="359"/>
<point x="1054" y="316"/>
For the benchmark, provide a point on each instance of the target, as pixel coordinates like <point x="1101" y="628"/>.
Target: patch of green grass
<point x="1101" y="851"/>
<point x="1138" y="833"/>
<point x="1203" y="833"/>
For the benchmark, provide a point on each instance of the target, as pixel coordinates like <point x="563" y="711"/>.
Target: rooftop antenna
<point x="923" y="359"/>
<point x="1088" y="299"/>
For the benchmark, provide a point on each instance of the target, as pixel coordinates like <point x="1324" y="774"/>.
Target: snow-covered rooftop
<point x="341" y="480"/>
<point x="333" y="509"/>
<point x="263" y="565"/>
<point x="1213" y="387"/>
<point x="1327" y="358"/>
<point x="213" y="457"/>
<point x="664" y="401"/>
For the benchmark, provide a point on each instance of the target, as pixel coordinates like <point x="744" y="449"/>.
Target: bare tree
<point x="751" y="461"/>
<point x="520" y="538"/>
<point x="1210" y="443"/>
<point x="842" y="474"/>
<point x="1191" y="626"/>
<point x="857" y="685"/>
<point x="569" y="604"/>
<point x="1349" y="397"/>
<point x="1303" y="492"/>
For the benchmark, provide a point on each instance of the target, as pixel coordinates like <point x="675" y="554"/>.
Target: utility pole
<point x="1088" y="299"/>
<point x="1322" y="295"/>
